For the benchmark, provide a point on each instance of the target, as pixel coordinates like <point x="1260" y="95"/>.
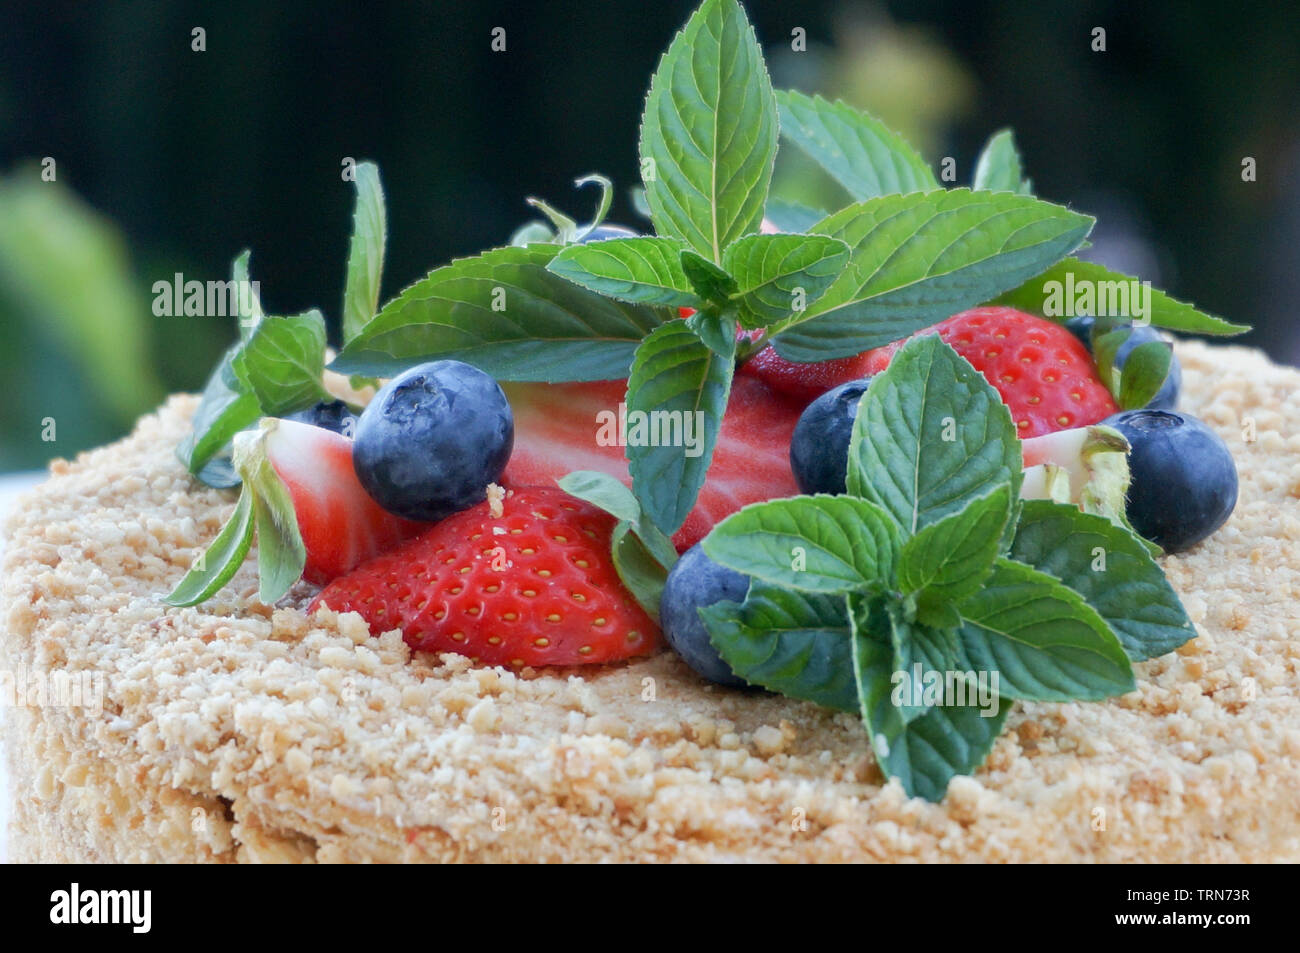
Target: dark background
<point x="190" y="157"/>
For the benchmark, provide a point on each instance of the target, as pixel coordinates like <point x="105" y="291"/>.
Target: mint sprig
<point x="998" y="166"/>
<point x="365" y="252"/>
<point x="857" y="150"/>
<point x="264" y="510"/>
<point x="918" y="258"/>
<point x="709" y="131"/>
<point x="917" y="551"/>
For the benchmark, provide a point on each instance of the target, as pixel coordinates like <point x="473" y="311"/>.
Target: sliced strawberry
<point x="556" y="427"/>
<point x="806" y="382"/>
<point x="341" y="525"/>
<point x="534" y="586"/>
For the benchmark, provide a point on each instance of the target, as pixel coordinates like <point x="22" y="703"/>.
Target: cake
<point x="239" y="732"/>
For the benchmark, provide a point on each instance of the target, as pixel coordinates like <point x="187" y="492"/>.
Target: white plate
<point x="11" y="484"/>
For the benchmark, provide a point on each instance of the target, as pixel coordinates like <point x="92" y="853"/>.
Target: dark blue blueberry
<point x="332" y="415"/>
<point x="432" y="440"/>
<point x="819" y="448"/>
<point x="601" y="232"/>
<point x="697" y="581"/>
<point x="1184" y="481"/>
<point x="1166" y="397"/>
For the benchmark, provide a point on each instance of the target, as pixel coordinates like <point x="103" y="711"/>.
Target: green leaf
<point x="1111" y="569"/>
<point x="251" y="316"/>
<point x="926" y="753"/>
<point x="823" y="544"/>
<point x="677" y="390"/>
<point x="1144" y="374"/>
<point x="717" y="330"/>
<point x="931" y="435"/>
<point x="281" y="363"/>
<point x="708" y="135"/>
<point x="858" y="150"/>
<point x="916" y="259"/>
<point x="1044" y="641"/>
<point x="612" y="496"/>
<point x="503" y="312"/>
<point x="281" y="554"/>
<point x="780" y="275"/>
<point x="710" y="282"/>
<point x="642" y="573"/>
<point x="224" y="409"/>
<point x="645" y="270"/>
<point x="998" y="168"/>
<point x="636" y="195"/>
<point x="221" y="560"/>
<point x="922" y="654"/>
<point x="1105" y="351"/>
<point x="950" y="558"/>
<point x="791" y="216"/>
<point x="788" y="642"/>
<point x="1073" y="287"/>
<point x="366" y="253"/>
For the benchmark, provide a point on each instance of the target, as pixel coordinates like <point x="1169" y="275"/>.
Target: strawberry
<point x="534" y="586"/>
<point x="806" y="382"/>
<point x="556" y="427"/>
<point x="1044" y="375"/>
<point x="341" y="525"/>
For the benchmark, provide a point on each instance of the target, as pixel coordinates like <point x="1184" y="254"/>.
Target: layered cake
<point x="756" y="533"/>
<point x="241" y="732"/>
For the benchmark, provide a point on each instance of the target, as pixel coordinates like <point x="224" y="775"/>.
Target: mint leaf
<point x="503" y="312"/>
<point x="1073" y="287"/>
<point x="612" y="496"/>
<point x="931" y="435"/>
<point x="998" y="167"/>
<point x="676" y="395"/>
<point x="218" y="564"/>
<point x="923" y="655"/>
<point x="949" y="559"/>
<point x="927" y="752"/>
<point x="366" y="252"/>
<point x="641" y="572"/>
<point x="640" y="270"/>
<point x="791" y="216"/>
<point x="916" y="259"/>
<point x="224" y="409"/>
<point x="859" y="151"/>
<point x="1045" y="642"/>
<point x="1111" y="569"/>
<point x="821" y="544"/>
<point x="249" y="317"/>
<point x="281" y="554"/>
<point x="711" y="283"/>
<point x="1144" y="374"/>
<point x="637" y="196"/>
<point x="788" y="642"/>
<point x="281" y="363"/>
<point x="717" y="330"/>
<point x="708" y="135"/>
<point x="780" y="275"/>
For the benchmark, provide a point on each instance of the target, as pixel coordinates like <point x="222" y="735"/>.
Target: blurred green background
<point x="170" y="160"/>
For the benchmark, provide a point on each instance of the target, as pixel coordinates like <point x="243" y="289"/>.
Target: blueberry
<point x="602" y="232"/>
<point x="1166" y="397"/>
<point x="819" y="448"/>
<point x="332" y="415"/>
<point x="1184" y="481"/>
<point x="697" y="581"/>
<point x="432" y="440"/>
